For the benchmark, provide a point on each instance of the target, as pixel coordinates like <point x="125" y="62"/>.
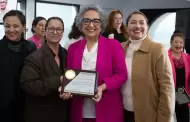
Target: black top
<point x="12" y="55"/>
<point x="180" y="76"/>
<point x="118" y="36"/>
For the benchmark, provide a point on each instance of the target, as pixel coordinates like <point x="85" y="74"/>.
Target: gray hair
<point x="96" y="8"/>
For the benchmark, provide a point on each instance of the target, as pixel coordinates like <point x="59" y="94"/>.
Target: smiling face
<point x="54" y="31"/>
<point x="13" y="28"/>
<point x="91" y="24"/>
<point x="177" y="44"/>
<point x="137" y="26"/>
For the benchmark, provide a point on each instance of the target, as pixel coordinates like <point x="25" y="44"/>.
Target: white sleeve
<point x="111" y="36"/>
<point x="67" y="44"/>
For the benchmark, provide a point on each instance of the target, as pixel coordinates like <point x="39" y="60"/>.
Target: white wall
<point x="108" y="5"/>
<point x="144" y="4"/>
<point x="30" y="9"/>
<point x="126" y="6"/>
<point x="132" y="5"/>
<point x="102" y="3"/>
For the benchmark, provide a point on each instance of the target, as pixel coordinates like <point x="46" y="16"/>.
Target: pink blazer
<point x="36" y="40"/>
<point x="186" y="60"/>
<point x="111" y="70"/>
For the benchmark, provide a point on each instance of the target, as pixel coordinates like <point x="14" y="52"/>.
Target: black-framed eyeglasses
<point x="87" y="21"/>
<point x="58" y="30"/>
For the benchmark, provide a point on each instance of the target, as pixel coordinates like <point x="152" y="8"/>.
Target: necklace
<point x="178" y="62"/>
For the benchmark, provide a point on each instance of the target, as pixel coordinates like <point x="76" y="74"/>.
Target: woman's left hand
<point x="98" y="95"/>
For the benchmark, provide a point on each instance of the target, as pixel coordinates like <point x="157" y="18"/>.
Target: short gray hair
<point x="96" y="8"/>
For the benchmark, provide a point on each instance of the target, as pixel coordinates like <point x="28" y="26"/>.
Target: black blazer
<point x="11" y="63"/>
<point x="40" y="79"/>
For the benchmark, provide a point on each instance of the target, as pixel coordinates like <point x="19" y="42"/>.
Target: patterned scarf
<point x="178" y="62"/>
<point x="14" y="45"/>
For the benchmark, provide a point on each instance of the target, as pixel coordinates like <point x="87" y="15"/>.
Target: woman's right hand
<point x="64" y="95"/>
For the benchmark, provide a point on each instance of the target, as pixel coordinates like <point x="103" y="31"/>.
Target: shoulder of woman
<point x="107" y="34"/>
<point x="31" y="46"/>
<point x="186" y="55"/>
<point x="75" y="44"/>
<point x="158" y="49"/>
<point x="111" y="36"/>
<point x="156" y="45"/>
<point x="124" y="44"/>
<point x="31" y="38"/>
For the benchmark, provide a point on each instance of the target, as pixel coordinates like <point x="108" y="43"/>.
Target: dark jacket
<point x="117" y="36"/>
<point x="40" y="80"/>
<point x="11" y="63"/>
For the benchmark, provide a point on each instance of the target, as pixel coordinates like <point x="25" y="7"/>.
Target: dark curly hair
<point x="75" y="33"/>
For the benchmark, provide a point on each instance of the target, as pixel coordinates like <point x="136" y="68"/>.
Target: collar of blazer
<point x="47" y="50"/>
<point x="145" y="45"/>
<point x="49" y="57"/>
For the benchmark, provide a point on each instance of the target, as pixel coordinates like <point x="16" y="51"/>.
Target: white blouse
<point x="89" y="63"/>
<point x="71" y="41"/>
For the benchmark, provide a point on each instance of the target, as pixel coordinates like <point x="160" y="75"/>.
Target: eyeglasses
<point x="58" y="30"/>
<point x="87" y="21"/>
<point x="118" y="19"/>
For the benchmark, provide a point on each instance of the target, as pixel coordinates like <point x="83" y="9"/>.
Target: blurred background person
<point x="181" y="72"/>
<point x="2" y="33"/>
<point x="41" y="77"/>
<point x="115" y="28"/>
<point x="38" y="30"/>
<point x="3" y="9"/>
<point x="148" y="94"/>
<point x="13" y="51"/>
<point x="73" y="36"/>
<point x="97" y="53"/>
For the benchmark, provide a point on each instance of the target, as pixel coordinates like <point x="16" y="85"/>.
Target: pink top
<point x="186" y="60"/>
<point x="111" y="70"/>
<point x="36" y="40"/>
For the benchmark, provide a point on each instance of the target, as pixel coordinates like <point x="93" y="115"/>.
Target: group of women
<point x="136" y="76"/>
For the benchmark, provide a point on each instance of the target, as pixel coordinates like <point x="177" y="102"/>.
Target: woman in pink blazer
<point x="105" y="56"/>
<point x="180" y="67"/>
